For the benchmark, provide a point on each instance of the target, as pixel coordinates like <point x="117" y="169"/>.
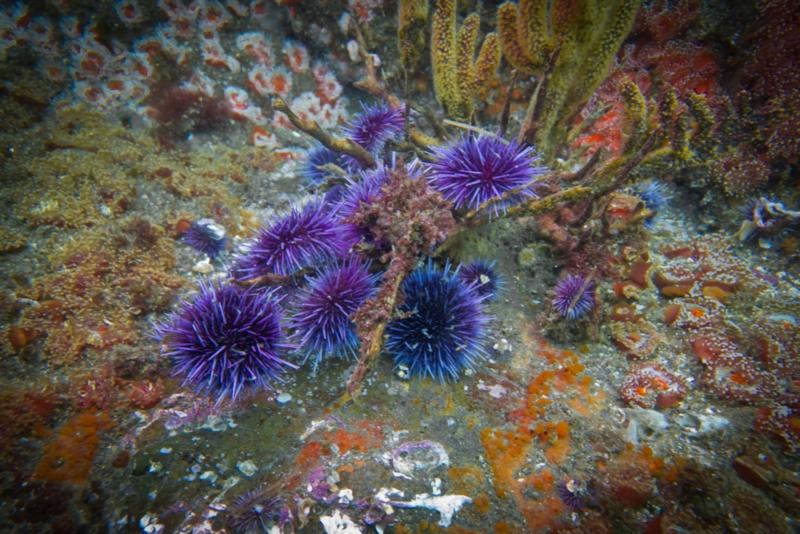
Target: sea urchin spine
<point x="482" y="275"/>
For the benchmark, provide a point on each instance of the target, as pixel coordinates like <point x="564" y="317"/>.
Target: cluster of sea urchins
<point x="229" y="338"/>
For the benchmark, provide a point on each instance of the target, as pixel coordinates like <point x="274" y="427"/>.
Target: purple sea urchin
<point x="226" y="339"/>
<point x="573" y="493"/>
<point x="374" y="126"/>
<point x="364" y="191"/>
<point x="321" y="322"/>
<point x="304" y="236"/>
<point x="206" y="236"/>
<point x="442" y="327"/>
<point x="256" y="510"/>
<point x="574" y="296"/>
<point x="475" y="169"/>
<point x="481" y="275"/>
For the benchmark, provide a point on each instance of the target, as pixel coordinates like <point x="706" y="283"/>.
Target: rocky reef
<point x="417" y="266"/>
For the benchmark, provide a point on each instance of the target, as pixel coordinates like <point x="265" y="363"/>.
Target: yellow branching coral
<point x="443" y="37"/>
<point x="533" y="32"/>
<point x="702" y="140"/>
<point x="635" y="112"/>
<point x="460" y="104"/>
<point x="568" y="44"/>
<point x="487" y="63"/>
<point x="507" y="24"/>
<point x="412" y="20"/>
<point x="458" y="76"/>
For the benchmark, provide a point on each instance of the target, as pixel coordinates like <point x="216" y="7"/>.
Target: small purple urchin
<point x="301" y="238"/>
<point x="475" y="169"/>
<point x="206" y="236"/>
<point x="574" y="493"/>
<point x="442" y="324"/>
<point x="373" y="127"/>
<point x="257" y="510"/>
<point x="573" y="296"/>
<point x="321" y="322"/>
<point x="481" y="275"/>
<point x="226" y="339"/>
<point x="365" y="191"/>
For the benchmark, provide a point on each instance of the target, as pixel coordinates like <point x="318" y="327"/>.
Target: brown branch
<point x="266" y="280"/>
<point x="536" y="104"/>
<point x="584" y="171"/>
<point x="480" y="212"/>
<point x="550" y="202"/>
<point x="535" y="206"/>
<point x="507" y="104"/>
<point x="372" y="339"/>
<point x="587" y="123"/>
<point x="625" y="170"/>
<point x="344" y="146"/>
<point x="421" y="139"/>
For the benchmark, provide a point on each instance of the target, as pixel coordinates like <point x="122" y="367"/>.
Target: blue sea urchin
<point x="574" y="296"/>
<point x="206" y="236"/>
<point x="226" y="339"/>
<point x="301" y="238"/>
<point x="475" y="169"/>
<point x="312" y="170"/>
<point x="655" y="195"/>
<point x="442" y="326"/>
<point x="321" y="322"/>
<point x="482" y="276"/>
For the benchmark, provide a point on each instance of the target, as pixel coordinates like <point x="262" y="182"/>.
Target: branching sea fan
<point x="321" y="322"/>
<point x="475" y="169"/>
<point x="301" y="238"/>
<point x="442" y="327"/>
<point x="226" y="340"/>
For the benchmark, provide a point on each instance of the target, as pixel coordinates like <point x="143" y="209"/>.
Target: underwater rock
<point x="339" y="523"/>
<point x="698" y="424"/>
<point x="414" y="456"/>
<point x="643" y="423"/>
